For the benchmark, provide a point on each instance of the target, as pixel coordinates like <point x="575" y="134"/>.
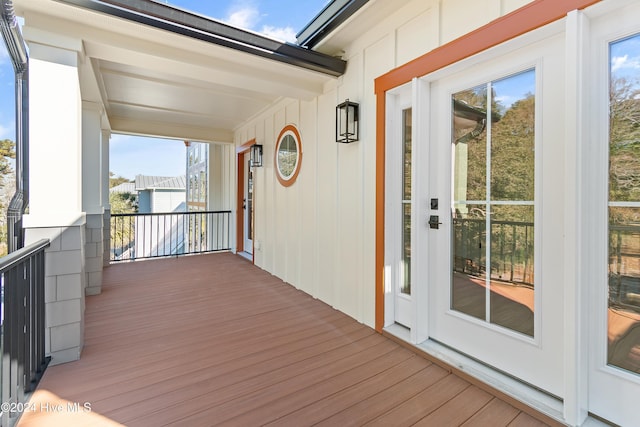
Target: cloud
<point x="243" y="15"/>
<point x="247" y="15"/>
<point x="286" y="34"/>
<point x="624" y="62"/>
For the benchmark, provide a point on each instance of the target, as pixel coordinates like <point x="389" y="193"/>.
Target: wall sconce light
<point x="256" y="156"/>
<point x="347" y="122"/>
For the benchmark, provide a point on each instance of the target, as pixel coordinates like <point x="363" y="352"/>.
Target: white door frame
<point x="420" y="89"/>
<point x="611" y="392"/>
<point x="398" y="307"/>
<point x="248" y="206"/>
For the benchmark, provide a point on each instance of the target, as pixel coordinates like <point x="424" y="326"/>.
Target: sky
<point x="130" y="155"/>
<point x="280" y="19"/>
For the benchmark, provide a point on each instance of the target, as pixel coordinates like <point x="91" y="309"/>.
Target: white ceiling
<point x="157" y="83"/>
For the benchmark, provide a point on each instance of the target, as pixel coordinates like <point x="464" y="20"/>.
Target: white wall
<point x="319" y="234"/>
<point x="167" y="200"/>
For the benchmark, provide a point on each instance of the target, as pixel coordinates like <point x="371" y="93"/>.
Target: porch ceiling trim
<point x="192" y="25"/>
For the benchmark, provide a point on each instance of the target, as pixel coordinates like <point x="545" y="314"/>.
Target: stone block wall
<point x="94" y="253"/>
<point x="65" y="283"/>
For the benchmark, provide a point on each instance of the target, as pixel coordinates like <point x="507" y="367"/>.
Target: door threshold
<point x="463" y="365"/>
<point x="540" y="401"/>
<point x="246" y="255"/>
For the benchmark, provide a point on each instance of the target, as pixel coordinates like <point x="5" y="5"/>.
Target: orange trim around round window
<point x="288" y="130"/>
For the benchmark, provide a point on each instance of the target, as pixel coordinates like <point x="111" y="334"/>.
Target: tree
<point x="624" y="141"/>
<point x="7" y="184"/>
<point x="116" y="180"/>
<point x="7" y="151"/>
<point x="123" y="203"/>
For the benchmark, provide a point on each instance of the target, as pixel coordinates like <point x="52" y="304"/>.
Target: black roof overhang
<point x="179" y="21"/>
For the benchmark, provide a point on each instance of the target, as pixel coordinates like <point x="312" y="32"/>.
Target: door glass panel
<point x="493" y="227"/>
<point x="512" y="243"/>
<point x="250" y="201"/>
<point x="405" y="286"/>
<point x="623" y="336"/>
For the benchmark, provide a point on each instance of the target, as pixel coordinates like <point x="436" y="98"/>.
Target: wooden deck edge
<point x="477" y="382"/>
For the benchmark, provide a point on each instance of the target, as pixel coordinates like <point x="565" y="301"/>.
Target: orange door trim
<point x="528" y="18"/>
<point x="241" y="151"/>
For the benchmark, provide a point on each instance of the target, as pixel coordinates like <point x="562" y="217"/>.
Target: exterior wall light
<point x="256" y="156"/>
<point x="347" y="122"/>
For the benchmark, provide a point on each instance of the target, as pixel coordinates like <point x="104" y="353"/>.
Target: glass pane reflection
<point x="287" y="156"/>
<point x="468" y="291"/>
<point x="405" y="285"/>
<point x="512" y="291"/>
<point x="493" y="208"/>
<point x="623" y="335"/>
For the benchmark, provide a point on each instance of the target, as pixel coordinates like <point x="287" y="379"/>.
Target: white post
<point x="55" y="208"/>
<point x="104" y="169"/>
<point x="575" y="313"/>
<point x="92" y="194"/>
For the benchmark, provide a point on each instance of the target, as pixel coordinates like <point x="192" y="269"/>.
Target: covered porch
<point x="212" y="339"/>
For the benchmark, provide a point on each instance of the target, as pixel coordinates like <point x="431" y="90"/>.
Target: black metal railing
<point x="624" y="266"/>
<point x="152" y="235"/>
<point x="512" y="249"/>
<point x="23" y="327"/>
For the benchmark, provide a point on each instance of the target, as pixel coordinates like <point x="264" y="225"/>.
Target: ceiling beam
<point x="169" y="130"/>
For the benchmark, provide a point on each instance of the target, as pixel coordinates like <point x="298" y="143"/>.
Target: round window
<point x="288" y="155"/>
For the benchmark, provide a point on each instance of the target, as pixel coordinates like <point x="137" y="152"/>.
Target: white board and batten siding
<point x="319" y="234"/>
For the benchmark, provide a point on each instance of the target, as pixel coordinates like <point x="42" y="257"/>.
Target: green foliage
<point x="624" y="141"/>
<point x="116" y="180"/>
<point x="512" y="154"/>
<point x="123" y="203"/>
<point x="7" y="151"/>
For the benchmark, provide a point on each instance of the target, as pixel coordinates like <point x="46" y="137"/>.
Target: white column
<point x="104" y="169"/>
<point x="55" y="207"/>
<point x="92" y="194"/>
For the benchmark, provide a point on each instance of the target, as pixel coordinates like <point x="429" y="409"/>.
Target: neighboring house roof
<point x="145" y="182"/>
<point x="125" y="187"/>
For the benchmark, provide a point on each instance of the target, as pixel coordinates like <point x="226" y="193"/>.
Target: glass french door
<point x="614" y="381"/>
<point x="488" y="295"/>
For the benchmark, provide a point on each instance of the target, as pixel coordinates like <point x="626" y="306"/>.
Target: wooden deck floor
<point x="212" y="340"/>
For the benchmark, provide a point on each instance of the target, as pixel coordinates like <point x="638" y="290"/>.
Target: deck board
<point x="213" y="340"/>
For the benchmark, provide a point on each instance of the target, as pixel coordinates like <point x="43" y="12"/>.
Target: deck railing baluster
<point x="23" y="327"/>
<point x="172" y="234"/>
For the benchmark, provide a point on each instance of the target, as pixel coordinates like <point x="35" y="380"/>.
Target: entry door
<point x="495" y="269"/>
<point x="248" y="207"/>
<point x="614" y="270"/>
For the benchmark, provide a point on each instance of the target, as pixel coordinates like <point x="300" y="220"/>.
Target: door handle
<point x="434" y="222"/>
<point x="244" y="203"/>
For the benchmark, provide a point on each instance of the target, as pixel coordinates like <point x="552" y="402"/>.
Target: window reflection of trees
<point x="494" y="186"/>
<point x="287" y="156"/>
<point x="406" y="200"/>
<point x="624" y="214"/>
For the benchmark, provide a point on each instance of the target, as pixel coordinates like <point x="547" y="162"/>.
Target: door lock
<point x="434" y="222"/>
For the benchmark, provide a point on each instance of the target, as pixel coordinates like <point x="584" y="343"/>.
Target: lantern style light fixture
<point x="347" y="122"/>
<point x="256" y="156"/>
